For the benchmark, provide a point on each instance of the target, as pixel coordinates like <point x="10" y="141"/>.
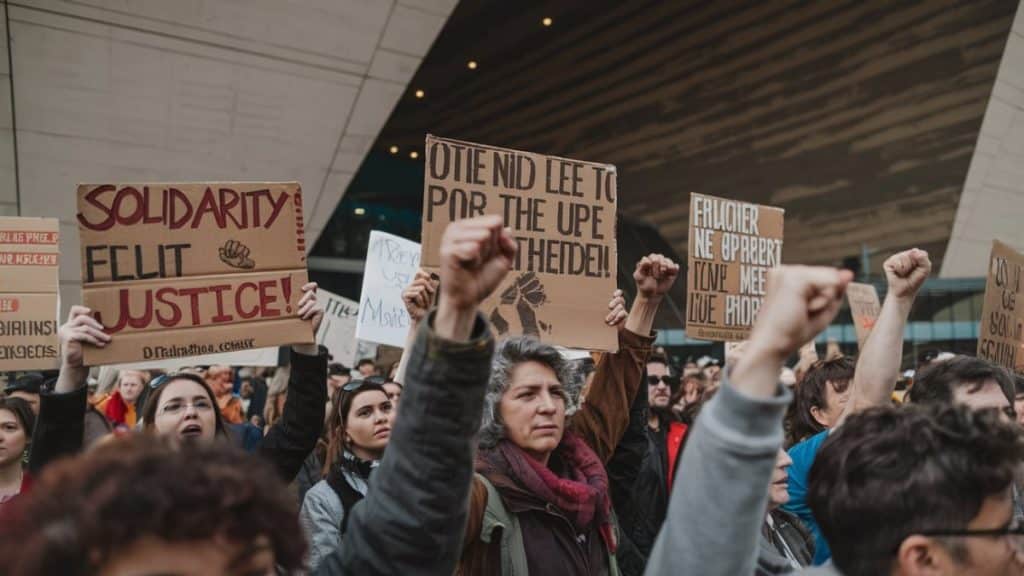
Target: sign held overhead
<point x="29" y="295"/>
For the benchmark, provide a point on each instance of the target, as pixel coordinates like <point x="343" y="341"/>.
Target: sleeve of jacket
<point x="289" y="442"/>
<point x="321" y="516"/>
<point x="624" y="466"/>
<point x="414" y="516"/>
<point x="60" y="427"/>
<point x="715" y="516"/>
<point x="603" y="418"/>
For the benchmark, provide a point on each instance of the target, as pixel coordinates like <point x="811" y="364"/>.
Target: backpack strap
<point x="347" y="494"/>
<point x="497" y="517"/>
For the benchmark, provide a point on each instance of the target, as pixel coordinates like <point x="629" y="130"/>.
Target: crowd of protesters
<point x="482" y="457"/>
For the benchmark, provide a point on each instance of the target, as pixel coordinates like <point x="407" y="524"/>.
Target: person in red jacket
<point x="119" y="407"/>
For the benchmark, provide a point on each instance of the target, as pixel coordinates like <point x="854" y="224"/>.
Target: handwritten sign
<point x="732" y="246"/>
<point x="338" y="330"/>
<point x="562" y="216"/>
<point x="177" y="270"/>
<point x="391" y="265"/>
<point x="864" y="307"/>
<point x="1001" y="338"/>
<point x="29" y="300"/>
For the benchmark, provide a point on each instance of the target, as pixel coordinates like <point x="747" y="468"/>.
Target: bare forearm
<point x="879" y="362"/>
<point x="641" y="316"/>
<point x="71" y="378"/>
<point x="403" y="363"/>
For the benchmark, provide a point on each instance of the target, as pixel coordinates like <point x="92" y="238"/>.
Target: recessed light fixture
<point x="393" y="149"/>
<point x="420" y="93"/>
<point x="547" y="21"/>
<point x="360" y="211"/>
<point x="471" y="64"/>
<point x="414" y="154"/>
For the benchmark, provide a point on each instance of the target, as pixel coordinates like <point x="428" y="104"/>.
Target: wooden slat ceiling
<point x="858" y="117"/>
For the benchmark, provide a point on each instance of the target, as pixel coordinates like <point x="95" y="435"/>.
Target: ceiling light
<point x="393" y="149"/>
<point x="360" y="211"/>
<point x="414" y="154"/>
<point x="547" y="21"/>
<point x="471" y="64"/>
<point x="420" y="93"/>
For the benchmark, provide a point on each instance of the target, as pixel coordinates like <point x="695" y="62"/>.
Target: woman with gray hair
<point x="540" y="501"/>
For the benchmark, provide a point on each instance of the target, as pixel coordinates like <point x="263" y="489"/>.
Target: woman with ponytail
<point x="358" y="432"/>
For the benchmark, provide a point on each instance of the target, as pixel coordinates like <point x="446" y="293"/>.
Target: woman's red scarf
<point x="582" y="496"/>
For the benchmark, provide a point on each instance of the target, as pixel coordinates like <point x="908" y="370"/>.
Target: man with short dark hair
<point x="366" y="367"/>
<point x="965" y="380"/>
<point x="920" y="490"/>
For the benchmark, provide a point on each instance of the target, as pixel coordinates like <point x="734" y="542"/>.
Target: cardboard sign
<point x="1001" y="337"/>
<point x="864" y="307"/>
<point x="29" y="299"/>
<point x="175" y="270"/>
<point x="562" y="216"/>
<point x="338" y="330"/>
<point x="255" y="357"/>
<point x="391" y="265"/>
<point x="732" y="246"/>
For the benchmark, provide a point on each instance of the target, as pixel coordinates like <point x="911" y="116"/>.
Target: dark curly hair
<point x="937" y="383"/>
<point x="83" y="511"/>
<point x="889" y="473"/>
<point x="811" y="393"/>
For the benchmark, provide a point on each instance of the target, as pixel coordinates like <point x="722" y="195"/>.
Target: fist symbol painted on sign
<point x="527" y="295"/>
<point x="236" y="255"/>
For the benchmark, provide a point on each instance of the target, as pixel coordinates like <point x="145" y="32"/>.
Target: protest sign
<point x="391" y="265"/>
<point x="175" y="270"/>
<point x="338" y="330"/>
<point x="562" y="216"/>
<point x="255" y="357"/>
<point x="732" y="246"/>
<point x="29" y="300"/>
<point x="864" y="307"/>
<point x="1001" y="336"/>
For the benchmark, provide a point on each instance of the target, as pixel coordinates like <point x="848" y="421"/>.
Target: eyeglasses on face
<point x="666" y="380"/>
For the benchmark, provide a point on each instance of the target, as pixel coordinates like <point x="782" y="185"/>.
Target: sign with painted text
<point x="1001" y="338"/>
<point x="338" y="329"/>
<point x="732" y="246"/>
<point x="177" y="270"/>
<point x="562" y="216"/>
<point x="391" y="265"/>
<point x="29" y="296"/>
<point x="864" y="307"/>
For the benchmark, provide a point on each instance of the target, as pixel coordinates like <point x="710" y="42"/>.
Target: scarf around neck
<point x="581" y="496"/>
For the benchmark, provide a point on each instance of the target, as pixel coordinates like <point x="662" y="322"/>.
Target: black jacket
<point x="59" y="427"/>
<point x="638" y="473"/>
<point x="413" y="518"/>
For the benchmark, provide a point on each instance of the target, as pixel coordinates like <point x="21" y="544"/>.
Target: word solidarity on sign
<point x="29" y="300"/>
<point x="1002" y="321"/>
<point x="732" y="246"/>
<point x="176" y="270"/>
<point x="562" y="216"/>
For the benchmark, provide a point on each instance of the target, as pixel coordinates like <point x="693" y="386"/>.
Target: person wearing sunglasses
<point x="358" y="432"/>
<point x="181" y="405"/>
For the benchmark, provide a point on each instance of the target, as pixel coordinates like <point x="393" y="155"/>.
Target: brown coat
<point x="601" y="422"/>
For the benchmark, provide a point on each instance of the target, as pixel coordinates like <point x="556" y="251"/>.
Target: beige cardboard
<point x="221" y="266"/>
<point x="864" y="307"/>
<point x="1001" y="336"/>
<point x="562" y="214"/>
<point x="732" y="246"/>
<point x="29" y="300"/>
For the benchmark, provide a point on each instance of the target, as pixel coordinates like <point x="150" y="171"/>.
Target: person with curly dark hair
<point x="821" y="397"/>
<point x="146" y="505"/>
<point x="16" y="423"/>
<point x="920" y="490"/>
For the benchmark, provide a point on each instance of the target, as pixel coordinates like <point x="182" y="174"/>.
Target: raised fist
<point x="800" y="302"/>
<point x="419" y="296"/>
<point x="654" y="276"/>
<point x="906" y="272"/>
<point x="236" y="255"/>
<point x="476" y="254"/>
